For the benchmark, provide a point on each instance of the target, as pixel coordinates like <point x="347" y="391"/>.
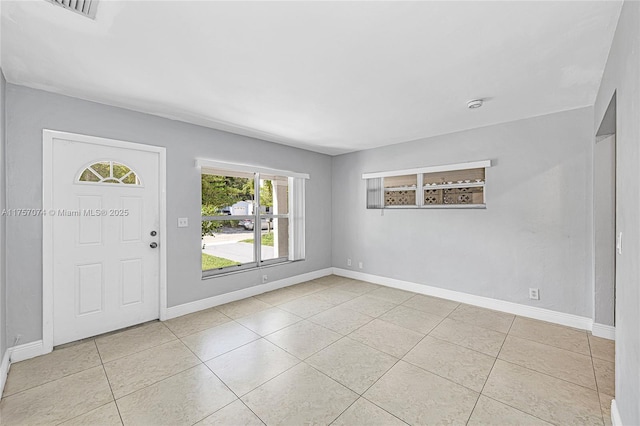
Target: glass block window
<point x="109" y="172"/>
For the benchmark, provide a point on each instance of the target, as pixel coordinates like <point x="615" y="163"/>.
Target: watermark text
<point x="65" y="212"/>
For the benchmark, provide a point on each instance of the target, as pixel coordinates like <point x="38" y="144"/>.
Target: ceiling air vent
<point x="84" y="7"/>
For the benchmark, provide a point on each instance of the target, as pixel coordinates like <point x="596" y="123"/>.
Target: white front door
<point x="105" y="224"/>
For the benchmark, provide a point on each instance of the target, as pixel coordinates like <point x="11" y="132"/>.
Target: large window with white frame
<point x="251" y="217"/>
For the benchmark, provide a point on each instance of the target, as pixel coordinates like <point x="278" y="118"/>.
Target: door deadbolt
<point x="153" y="245"/>
<point x="154" y="233"/>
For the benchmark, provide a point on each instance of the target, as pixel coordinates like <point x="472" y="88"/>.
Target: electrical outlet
<point x="360" y="265"/>
<point x="534" y="294"/>
<point x="264" y="279"/>
<point x="348" y="262"/>
<point x="183" y="222"/>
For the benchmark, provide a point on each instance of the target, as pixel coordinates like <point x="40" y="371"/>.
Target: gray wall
<point x="29" y="111"/>
<point x="535" y="232"/>
<point x="622" y="77"/>
<point x="604" y="212"/>
<point x="3" y="287"/>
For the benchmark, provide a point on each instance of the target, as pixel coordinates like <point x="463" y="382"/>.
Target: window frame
<point x="376" y="188"/>
<point x="219" y="168"/>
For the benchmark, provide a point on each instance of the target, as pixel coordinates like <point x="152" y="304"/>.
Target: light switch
<point x="183" y="222"/>
<point x="619" y="243"/>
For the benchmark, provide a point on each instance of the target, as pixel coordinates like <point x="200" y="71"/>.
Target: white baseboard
<point x="604" y="331"/>
<point x="615" y="414"/>
<point x="4" y="369"/>
<point x="18" y="353"/>
<point x="26" y="351"/>
<point x="542" y="314"/>
<point x="210" y="302"/>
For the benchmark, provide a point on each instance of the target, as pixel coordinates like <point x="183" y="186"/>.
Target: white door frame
<point x="47" y="224"/>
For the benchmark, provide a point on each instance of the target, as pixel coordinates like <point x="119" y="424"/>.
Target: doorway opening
<point x="605" y="220"/>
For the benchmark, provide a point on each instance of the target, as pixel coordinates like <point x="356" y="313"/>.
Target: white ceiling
<point x="332" y="77"/>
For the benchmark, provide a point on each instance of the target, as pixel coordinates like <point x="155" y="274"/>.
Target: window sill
<point x="224" y="273"/>
<point x="434" y="206"/>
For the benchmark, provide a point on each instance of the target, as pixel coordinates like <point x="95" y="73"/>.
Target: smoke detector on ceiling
<point x="86" y="8"/>
<point x="474" y="104"/>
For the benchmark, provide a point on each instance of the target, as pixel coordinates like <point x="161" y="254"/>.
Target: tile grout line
<point x="513" y="363"/>
<point x="510" y="326"/>
<point x="383" y="409"/>
<point x="434" y="373"/>
<point x="226" y="352"/>
<point x="238" y="398"/>
<point x="535" y="371"/>
<point x="108" y="382"/>
<point x="82" y="414"/>
<point x="547" y="344"/>
<point x="312" y="354"/>
<point x="517" y="409"/>
<point x="555" y="347"/>
<point x="398" y="359"/>
<point x="147" y="348"/>
<point x="383" y="374"/>
<point x="161" y="380"/>
<point x="465" y="347"/>
<point x="198" y="331"/>
<point x="251" y="390"/>
<point x="343" y="411"/>
<point x="282" y="328"/>
<point x="548" y="375"/>
<point x="389" y="369"/>
<point x="342" y="337"/>
<point x="221" y="381"/>
<point x="347" y="387"/>
<point x="490" y="371"/>
<point x="3" y="396"/>
<point x="550" y="346"/>
<point x="295" y="365"/>
<point x="254" y="413"/>
<point x="93" y="339"/>
<point x="203" y="362"/>
<point x="595" y="379"/>
<point x="356" y="295"/>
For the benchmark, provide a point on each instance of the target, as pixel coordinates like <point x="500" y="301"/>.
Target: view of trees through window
<point x="109" y="172"/>
<point x="228" y="225"/>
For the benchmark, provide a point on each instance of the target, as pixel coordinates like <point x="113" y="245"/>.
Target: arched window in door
<point x="109" y="172"/>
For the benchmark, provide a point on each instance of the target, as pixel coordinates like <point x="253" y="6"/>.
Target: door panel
<point x="90" y="226"/>
<point x="132" y="223"/>
<point x="90" y="287"/>
<point x="105" y="274"/>
<point x="132" y="281"/>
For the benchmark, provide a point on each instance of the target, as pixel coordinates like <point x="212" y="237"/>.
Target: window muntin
<point x="274" y="202"/>
<point x="231" y="208"/>
<point x="109" y="172"/>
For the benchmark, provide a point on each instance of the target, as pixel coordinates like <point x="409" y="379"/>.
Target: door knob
<point x="153" y="245"/>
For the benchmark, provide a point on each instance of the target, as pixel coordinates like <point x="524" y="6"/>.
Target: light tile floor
<point x="332" y="350"/>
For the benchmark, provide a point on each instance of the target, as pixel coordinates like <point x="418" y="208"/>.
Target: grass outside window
<point x="267" y="239"/>
<point x="213" y="262"/>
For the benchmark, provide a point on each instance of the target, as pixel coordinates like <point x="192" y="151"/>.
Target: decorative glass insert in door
<point x="109" y="172"/>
